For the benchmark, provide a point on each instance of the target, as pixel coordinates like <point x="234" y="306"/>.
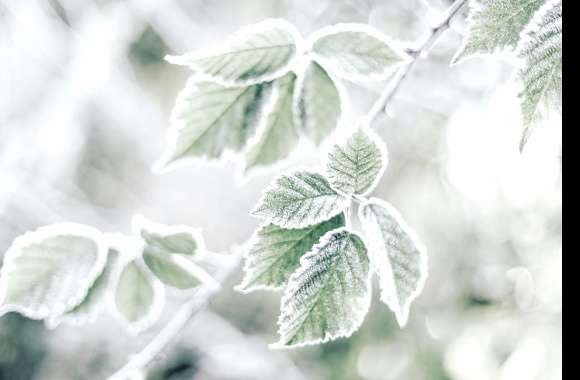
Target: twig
<point x="419" y="52"/>
<point x="198" y="301"/>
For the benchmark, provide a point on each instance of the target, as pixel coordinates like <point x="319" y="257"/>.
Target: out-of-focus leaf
<point x="175" y="270"/>
<point x="329" y="295"/>
<point x="275" y="253"/>
<point x="179" y="239"/>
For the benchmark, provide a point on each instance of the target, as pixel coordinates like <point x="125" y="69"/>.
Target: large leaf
<point x="49" y="271"/>
<point x="356" y="52"/>
<point x="329" y="295"/>
<point x="395" y="254"/>
<point x="495" y="25"/>
<point x="210" y="120"/>
<point x="139" y="297"/>
<point x="179" y="239"/>
<point x="275" y="253"/>
<point x="299" y="200"/>
<point x="541" y="73"/>
<point x="279" y="136"/>
<point x="256" y="53"/>
<point x="317" y="103"/>
<point x="175" y="270"/>
<point x="356" y="165"/>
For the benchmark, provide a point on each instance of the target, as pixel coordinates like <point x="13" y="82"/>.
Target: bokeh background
<point x="84" y="102"/>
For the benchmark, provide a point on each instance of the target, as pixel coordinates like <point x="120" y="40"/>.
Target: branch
<point x="423" y="47"/>
<point x="197" y="302"/>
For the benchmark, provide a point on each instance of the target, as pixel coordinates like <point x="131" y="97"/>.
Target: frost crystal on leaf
<point x="329" y="295"/>
<point x="180" y="239"/>
<point x="256" y="53"/>
<point x="275" y="253"/>
<point x="494" y="25"/>
<point x="175" y="270"/>
<point x="395" y="254"/>
<point x="299" y="200"/>
<point x="541" y="53"/>
<point x="49" y="271"/>
<point x="139" y="297"/>
<point x="356" y="52"/>
<point x="210" y="119"/>
<point x="317" y="103"/>
<point x="279" y="136"/>
<point x="356" y="165"/>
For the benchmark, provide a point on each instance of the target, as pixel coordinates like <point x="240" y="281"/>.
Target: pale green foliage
<point x="317" y="103"/>
<point x="275" y="253"/>
<point x="355" y="166"/>
<point x="356" y="52"/>
<point x="256" y="53"/>
<point x="48" y="272"/>
<point x="175" y="270"/>
<point x="210" y="119"/>
<point x="541" y="73"/>
<point x="395" y="254"/>
<point x="279" y="136"/>
<point x="183" y="243"/>
<point x="299" y="200"/>
<point x="494" y="25"/>
<point x="329" y="295"/>
<point x="138" y="297"/>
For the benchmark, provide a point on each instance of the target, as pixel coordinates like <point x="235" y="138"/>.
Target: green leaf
<point x="356" y="52"/>
<point x="317" y="103"/>
<point x="175" y="270"/>
<point x="299" y="200"/>
<point x="49" y="271"/>
<point x="279" y="136"/>
<point x="210" y="120"/>
<point x="330" y="293"/>
<point x="395" y="254"/>
<point x="179" y="239"/>
<point x="357" y="165"/>
<point x="495" y="25"/>
<point x="541" y="73"/>
<point x="139" y="297"/>
<point x="275" y="253"/>
<point x="256" y="53"/>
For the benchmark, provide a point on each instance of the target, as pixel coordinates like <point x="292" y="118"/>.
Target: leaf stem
<point x="423" y="47"/>
<point x="187" y="311"/>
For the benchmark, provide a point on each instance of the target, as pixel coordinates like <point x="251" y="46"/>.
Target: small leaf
<point x="180" y="239"/>
<point x="329" y="295"/>
<point x="541" y="73"/>
<point x="210" y="120"/>
<point x="395" y="254"/>
<point x="139" y="297"/>
<point x="175" y="270"/>
<point x="356" y="52"/>
<point x="256" y="53"/>
<point x="356" y="165"/>
<point x="275" y="253"/>
<point x="299" y="200"/>
<point x="317" y="103"/>
<point x="279" y="136"/>
<point x="495" y="25"/>
<point x="49" y="271"/>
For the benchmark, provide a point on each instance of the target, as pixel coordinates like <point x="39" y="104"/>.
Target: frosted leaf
<point x="49" y="271"/>
<point x="329" y="294"/>
<point x="299" y="200"/>
<point x="175" y="270"/>
<point x="317" y="103"/>
<point x="395" y="254"/>
<point x="209" y="120"/>
<point x="256" y="53"/>
<point x="356" y="52"/>
<point x="495" y="25"/>
<point x="275" y="253"/>
<point x="179" y="239"/>
<point x="356" y="165"/>
<point x="541" y="73"/>
<point x="279" y="136"/>
<point x="139" y="297"/>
